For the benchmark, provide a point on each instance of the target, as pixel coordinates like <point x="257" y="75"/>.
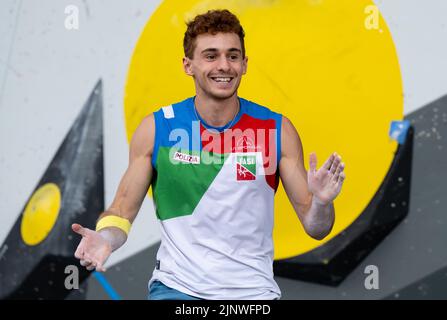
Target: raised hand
<point x="325" y="183"/>
<point x="93" y="250"/>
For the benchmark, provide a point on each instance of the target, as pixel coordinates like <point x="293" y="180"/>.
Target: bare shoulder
<point x="290" y="139"/>
<point x="142" y="143"/>
<point x="287" y="127"/>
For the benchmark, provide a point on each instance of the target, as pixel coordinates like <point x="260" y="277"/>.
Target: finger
<point x="89" y="263"/>
<point x="85" y="263"/>
<point x="79" y="253"/>
<point x="78" y="229"/>
<point x="340" y="168"/>
<point x="102" y="259"/>
<point x="313" y="162"/>
<point x="335" y="163"/>
<point x="342" y="177"/>
<point x="100" y="267"/>
<point x="328" y="163"/>
<point x="91" y="267"/>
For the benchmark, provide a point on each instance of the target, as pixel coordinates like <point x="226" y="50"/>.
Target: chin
<point x="224" y="94"/>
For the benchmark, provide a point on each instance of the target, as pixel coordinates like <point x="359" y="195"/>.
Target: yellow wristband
<point x="114" y="221"/>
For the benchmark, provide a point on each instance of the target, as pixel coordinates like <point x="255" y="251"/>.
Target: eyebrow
<point x="216" y="50"/>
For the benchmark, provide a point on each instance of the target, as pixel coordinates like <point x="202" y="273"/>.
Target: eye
<point x="234" y="57"/>
<point x="210" y="56"/>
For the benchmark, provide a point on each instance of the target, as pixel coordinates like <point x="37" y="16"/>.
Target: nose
<point x="223" y="64"/>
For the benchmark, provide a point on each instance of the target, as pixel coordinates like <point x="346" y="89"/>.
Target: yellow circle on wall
<point x="40" y="214"/>
<point x="315" y="61"/>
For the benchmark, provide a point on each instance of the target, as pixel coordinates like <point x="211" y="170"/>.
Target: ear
<point x="244" y="65"/>
<point x="187" y="66"/>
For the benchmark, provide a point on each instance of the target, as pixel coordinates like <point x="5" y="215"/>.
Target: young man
<point x="214" y="161"/>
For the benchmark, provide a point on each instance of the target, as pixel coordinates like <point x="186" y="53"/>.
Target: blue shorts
<point x="158" y="291"/>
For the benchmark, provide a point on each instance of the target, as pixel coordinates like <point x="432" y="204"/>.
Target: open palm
<point x="93" y="250"/>
<point x="326" y="183"/>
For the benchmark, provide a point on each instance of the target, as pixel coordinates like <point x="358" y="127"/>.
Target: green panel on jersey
<point x="180" y="185"/>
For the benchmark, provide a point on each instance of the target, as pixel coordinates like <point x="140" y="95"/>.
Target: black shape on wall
<point x="332" y="262"/>
<point x="38" y="272"/>
<point x="431" y="287"/>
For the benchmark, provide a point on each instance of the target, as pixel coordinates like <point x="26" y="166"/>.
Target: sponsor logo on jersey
<point x="246" y="167"/>
<point x="186" y="158"/>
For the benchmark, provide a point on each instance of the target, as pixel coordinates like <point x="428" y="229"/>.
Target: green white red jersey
<point x="213" y="190"/>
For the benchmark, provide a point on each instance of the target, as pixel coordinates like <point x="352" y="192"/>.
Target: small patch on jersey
<point x="183" y="157"/>
<point x="245" y="168"/>
<point x="168" y="112"/>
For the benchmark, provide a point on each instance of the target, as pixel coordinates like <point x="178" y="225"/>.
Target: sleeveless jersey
<point x="213" y="191"/>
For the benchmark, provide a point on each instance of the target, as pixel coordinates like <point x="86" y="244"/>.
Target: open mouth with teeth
<point x="222" y="80"/>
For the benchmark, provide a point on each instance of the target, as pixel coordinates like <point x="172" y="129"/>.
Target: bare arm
<point x="311" y="194"/>
<point x="95" y="247"/>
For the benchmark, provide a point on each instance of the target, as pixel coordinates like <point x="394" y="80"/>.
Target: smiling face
<point x="217" y="65"/>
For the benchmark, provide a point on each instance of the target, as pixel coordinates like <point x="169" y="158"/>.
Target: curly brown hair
<point x="212" y="22"/>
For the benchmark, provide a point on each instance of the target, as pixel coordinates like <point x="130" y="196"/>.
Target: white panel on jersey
<point x="224" y="250"/>
<point x="168" y="112"/>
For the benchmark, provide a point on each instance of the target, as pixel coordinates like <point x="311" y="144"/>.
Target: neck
<point x="217" y="112"/>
